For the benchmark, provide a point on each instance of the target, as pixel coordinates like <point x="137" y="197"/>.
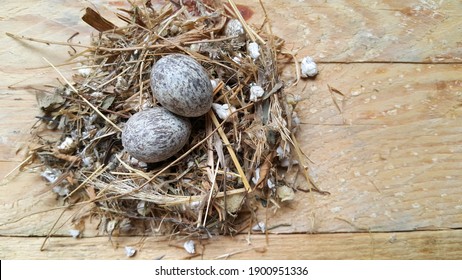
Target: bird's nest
<point x="235" y="160"/>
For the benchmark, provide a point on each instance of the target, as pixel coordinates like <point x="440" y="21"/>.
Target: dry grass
<point x="229" y="168"/>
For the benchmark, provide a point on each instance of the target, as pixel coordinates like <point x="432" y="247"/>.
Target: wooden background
<point x="391" y="159"/>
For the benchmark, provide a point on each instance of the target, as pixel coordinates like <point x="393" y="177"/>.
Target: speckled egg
<point x="155" y="134"/>
<point x="182" y="85"/>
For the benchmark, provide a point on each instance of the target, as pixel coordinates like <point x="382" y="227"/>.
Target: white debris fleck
<point x="214" y="83"/>
<point x="285" y="162"/>
<point x="189" y="246"/>
<point x="392" y="238"/>
<point x="194" y="205"/>
<point x="133" y="161"/>
<point x="121" y="84"/>
<point x="75" y="233"/>
<point x="142" y="208"/>
<point x="283" y="152"/>
<point x="293" y="99"/>
<point x="392" y="112"/>
<point x="61" y="191"/>
<point x="51" y="174"/>
<point x="295" y="119"/>
<point x="285" y="193"/>
<point x="254" y="50"/>
<point x="146" y="105"/>
<point x="256" y="177"/>
<point x="85" y="72"/>
<point x="223" y="110"/>
<point x="195" y="47"/>
<point x="336" y="209"/>
<point x="283" y="155"/>
<point x="238" y="58"/>
<point x="259" y="227"/>
<point x="270" y="183"/>
<point x="87" y="161"/>
<point x="308" y="67"/>
<point x="256" y="92"/>
<point x="110" y="226"/>
<point x="67" y="145"/>
<point x="130" y="251"/>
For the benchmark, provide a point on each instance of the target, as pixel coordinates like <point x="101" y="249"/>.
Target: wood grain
<point x="389" y="152"/>
<point x="391" y="159"/>
<point x="399" y="245"/>
<point x="391" y="155"/>
<point x="358" y="31"/>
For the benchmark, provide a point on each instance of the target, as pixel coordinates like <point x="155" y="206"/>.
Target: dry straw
<point x="232" y="164"/>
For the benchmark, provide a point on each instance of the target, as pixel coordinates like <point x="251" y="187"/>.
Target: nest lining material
<point x="233" y="162"/>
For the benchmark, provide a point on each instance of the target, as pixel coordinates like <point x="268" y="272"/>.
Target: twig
<point x="227" y="255"/>
<point x="52" y="228"/>
<point x="23" y="163"/>
<point x="14" y="36"/>
<point x="95" y="174"/>
<point x="88" y="48"/>
<point x="211" y="193"/>
<point x="231" y="152"/>
<point x="333" y="90"/>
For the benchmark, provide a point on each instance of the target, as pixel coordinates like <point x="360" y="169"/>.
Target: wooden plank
<point x="392" y="30"/>
<point x="399" y="245"/>
<point x="391" y="160"/>
<point x="416" y="31"/>
<point x="409" y="31"/>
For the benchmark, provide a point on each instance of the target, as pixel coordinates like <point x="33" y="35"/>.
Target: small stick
<point x="210" y="40"/>
<point x="231" y="152"/>
<point x="211" y="193"/>
<point x="227" y="255"/>
<point x="134" y="170"/>
<point x="52" y="228"/>
<point x="14" y="36"/>
<point x="89" y="48"/>
<point x="187" y="199"/>
<point x="297" y="67"/>
<point x="23" y="163"/>
<point x="300" y="154"/>
<point x="96" y="173"/>
<point x="333" y="90"/>
<point x="114" y="78"/>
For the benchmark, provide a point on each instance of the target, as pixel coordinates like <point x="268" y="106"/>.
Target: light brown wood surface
<point x="390" y="154"/>
<point x="404" y="245"/>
